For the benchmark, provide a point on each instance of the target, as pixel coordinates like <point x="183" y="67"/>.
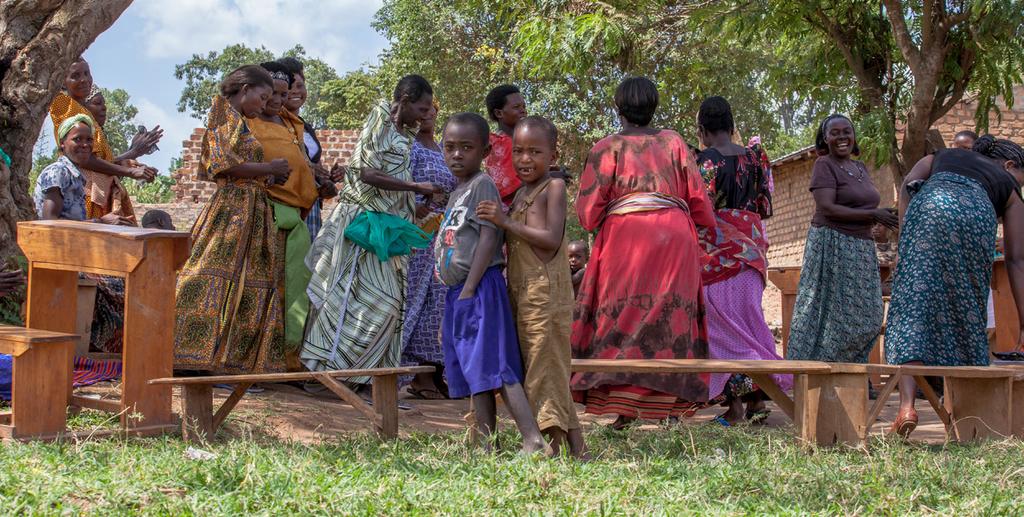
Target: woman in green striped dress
<point x="356" y="298"/>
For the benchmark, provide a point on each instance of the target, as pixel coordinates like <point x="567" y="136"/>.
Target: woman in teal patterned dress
<point x="356" y="299"/>
<point x="950" y="203"/>
<point x="838" y="311"/>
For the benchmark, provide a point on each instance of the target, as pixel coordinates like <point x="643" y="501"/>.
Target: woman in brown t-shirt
<point x="838" y="312"/>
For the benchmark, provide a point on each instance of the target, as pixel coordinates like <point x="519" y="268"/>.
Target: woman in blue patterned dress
<point x="424" y="301"/>
<point x="938" y="312"/>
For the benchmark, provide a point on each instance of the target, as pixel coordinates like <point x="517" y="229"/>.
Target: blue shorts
<point x="481" y="351"/>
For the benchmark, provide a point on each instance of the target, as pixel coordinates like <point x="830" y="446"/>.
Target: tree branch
<point x="871" y="84"/>
<point x="894" y="10"/>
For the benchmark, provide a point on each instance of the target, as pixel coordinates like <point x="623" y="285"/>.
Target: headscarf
<point x="71" y="122"/>
<point x="94" y="91"/>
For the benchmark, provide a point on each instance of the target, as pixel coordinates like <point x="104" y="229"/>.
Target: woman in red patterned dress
<point x="641" y="295"/>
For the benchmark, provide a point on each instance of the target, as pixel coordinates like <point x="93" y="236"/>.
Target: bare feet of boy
<point x="577" y="446"/>
<point x="537" y="446"/>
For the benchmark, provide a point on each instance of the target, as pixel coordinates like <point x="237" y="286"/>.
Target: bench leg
<point x="197" y="413"/>
<point x="980" y="408"/>
<point x="1018" y="416"/>
<point x="832" y="408"/>
<point x="385" y="403"/>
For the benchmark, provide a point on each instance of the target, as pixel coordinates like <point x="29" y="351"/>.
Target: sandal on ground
<point x="621" y="423"/>
<point x="720" y="420"/>
<point x="425" y="393"/>
<point x="906" y="422"/>
<point x="757" y="417"/>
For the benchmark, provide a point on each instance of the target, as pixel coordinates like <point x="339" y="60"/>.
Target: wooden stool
<point x="39" y="393"/>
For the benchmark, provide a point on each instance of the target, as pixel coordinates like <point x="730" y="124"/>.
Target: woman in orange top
<point x="104" y="193"/>
<point x="280" y="133"/>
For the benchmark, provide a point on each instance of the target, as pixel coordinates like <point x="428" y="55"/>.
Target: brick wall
<point x="191" y="194"/>
<point x="794" y="205"/>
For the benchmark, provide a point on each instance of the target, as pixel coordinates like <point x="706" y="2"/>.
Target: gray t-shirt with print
<point x="459" y="234"/>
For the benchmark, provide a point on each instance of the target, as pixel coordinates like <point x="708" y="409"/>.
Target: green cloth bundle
<point x="385" y="235"/>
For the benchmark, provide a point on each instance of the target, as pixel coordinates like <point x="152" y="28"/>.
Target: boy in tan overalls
<point x="539" y="281"/>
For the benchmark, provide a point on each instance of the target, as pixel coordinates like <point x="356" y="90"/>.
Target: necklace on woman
<point x="860" y="171"/>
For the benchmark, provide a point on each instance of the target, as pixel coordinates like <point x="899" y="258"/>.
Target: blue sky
<point x="139" y="52"/>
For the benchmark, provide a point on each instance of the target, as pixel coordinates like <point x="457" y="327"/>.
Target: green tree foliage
<point x="568" y="57"/>
<point x="157" y="191"/>
<point x="894" y="63"/>
<point x="592" y="46"/>
<point x="120" y="125"/>
<point x="783" y="64"/>
<point x="348" y="100"/>
<point x="202" y="75"/>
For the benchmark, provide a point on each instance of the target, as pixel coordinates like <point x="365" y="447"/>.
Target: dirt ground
<point x="286" y="412"/>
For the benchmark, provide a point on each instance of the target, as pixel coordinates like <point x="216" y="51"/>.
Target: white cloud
<point x="177" y="128"/>
<point x="335" y="30"/>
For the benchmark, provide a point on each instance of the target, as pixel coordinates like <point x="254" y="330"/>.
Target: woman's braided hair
<point x="1000" y="149"/>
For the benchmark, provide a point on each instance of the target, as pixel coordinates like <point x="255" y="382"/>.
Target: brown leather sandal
<point x="906" y="422"/>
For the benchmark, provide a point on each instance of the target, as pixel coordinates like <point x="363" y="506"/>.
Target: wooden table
<point x="147" y="260"/>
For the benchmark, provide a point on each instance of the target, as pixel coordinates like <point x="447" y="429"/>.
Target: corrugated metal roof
<point x="806" y="152"/>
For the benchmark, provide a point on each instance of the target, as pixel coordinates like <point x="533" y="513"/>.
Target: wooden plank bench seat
<point x="42" y="364"/>
<point x="200" y="422"/>
<point x="828" y="405"/>
<point x="830" y="400"/>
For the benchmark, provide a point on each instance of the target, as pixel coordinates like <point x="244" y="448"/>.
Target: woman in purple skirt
<point x="424" y="301"/>
<point x="739" y="185"/>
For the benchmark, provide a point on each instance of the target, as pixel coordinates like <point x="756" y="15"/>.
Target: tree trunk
<point x="39" y="39"/>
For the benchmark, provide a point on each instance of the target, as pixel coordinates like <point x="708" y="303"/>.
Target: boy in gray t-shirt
<point x="459" y="233"/>
<point x="478" y="334"/>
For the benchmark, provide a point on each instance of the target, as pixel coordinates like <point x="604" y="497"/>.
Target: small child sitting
<point x="579" y="255"/>
<point x="540" y="284"/>
<point x="478" y="335"/>
<point x="157" y="220"/>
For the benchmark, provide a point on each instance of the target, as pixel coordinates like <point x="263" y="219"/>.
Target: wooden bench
<point x="200" y="422"/>
<point x="39" y="388"/>
<point x="1017" y="394"/>
<point x="829" y="403"/>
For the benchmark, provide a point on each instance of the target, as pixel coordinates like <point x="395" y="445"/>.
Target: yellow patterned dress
<point x="103" y="193"/>
<point x="230" y="292"/>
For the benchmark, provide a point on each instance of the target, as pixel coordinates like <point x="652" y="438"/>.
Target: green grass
<point x="671" y="471"/>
